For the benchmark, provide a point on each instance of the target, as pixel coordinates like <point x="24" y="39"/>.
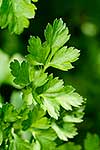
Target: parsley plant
<point x="49" y="110"/>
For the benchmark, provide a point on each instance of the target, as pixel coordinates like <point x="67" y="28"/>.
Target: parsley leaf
<point x="50" y="90"/>
<point x="74" y="116"/>
<point x="15" y="14"/>
<point x="37" y="77"/>
<point x="20" y="72"/>
<point x="55" y="95"/>
<point x="36" y="119"/>
<point x="94" y="139"/>
<point x="46" y="139"/>
<point x="56" y="35"/>
<point x="10" y="114"/>
<point x="67" y="131"/>
<point x="51" y="106"/>
<point x="54" y="85"/>
<point x="38" y="51"/>
<point x="67" y="100"/>
<point x="64" y="57"/>
<point x="52" y="52"/>
<point x="18" y="143"/>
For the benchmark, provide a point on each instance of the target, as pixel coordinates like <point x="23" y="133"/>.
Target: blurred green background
<point x="83" y="19"/>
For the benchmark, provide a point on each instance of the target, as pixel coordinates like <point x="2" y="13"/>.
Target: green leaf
<point x="35" y="49"/>
<point x="51" y="106"/>
<point x="47" y="144"/>
<point x="15" y="14"/>
<point x="46" y="139"/>
<point x="92" y="142"/>
<point x="36" y="145"/>
<point x="53" y="85"/>
<point x="20" y="72"/>
<point x="69" y="146"/>
<point x="68" y="131"/>
<point x="64" y="57"/>
<point x="51" y="52"/>
<point x="38" y="77"/>
<point x="19" y="144"/>
<point x="75" y="116"/>
<point x="42" y="123"/>
<point x="10" y="114"/>
<point x="38" y="51"/>
<point x="26" y="135"/>
<point x="4" y="67"/>
<point x="36" y="119"/>
<point x="60" y="56"/>
<point x="56" y="35"/>
<point x="55" y="95"/>
<point x="67" y="100"/>
<point x="39" y="120"/>
<point x="50" y="90"/>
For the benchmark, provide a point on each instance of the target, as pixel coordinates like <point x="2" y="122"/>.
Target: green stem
<point x="48" y="60"/>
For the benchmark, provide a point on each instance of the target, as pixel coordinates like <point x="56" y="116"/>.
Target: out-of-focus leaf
<point x="4" y="66"/>
<point x="92" y="142"/>
<point x="69" y="146"/>
<point x="15" y="14"/>
<point x="16" y="99"/>
<point x="1" y="136"/>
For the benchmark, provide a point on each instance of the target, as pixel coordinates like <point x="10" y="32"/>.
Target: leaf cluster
<point x="50" y="109"/>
